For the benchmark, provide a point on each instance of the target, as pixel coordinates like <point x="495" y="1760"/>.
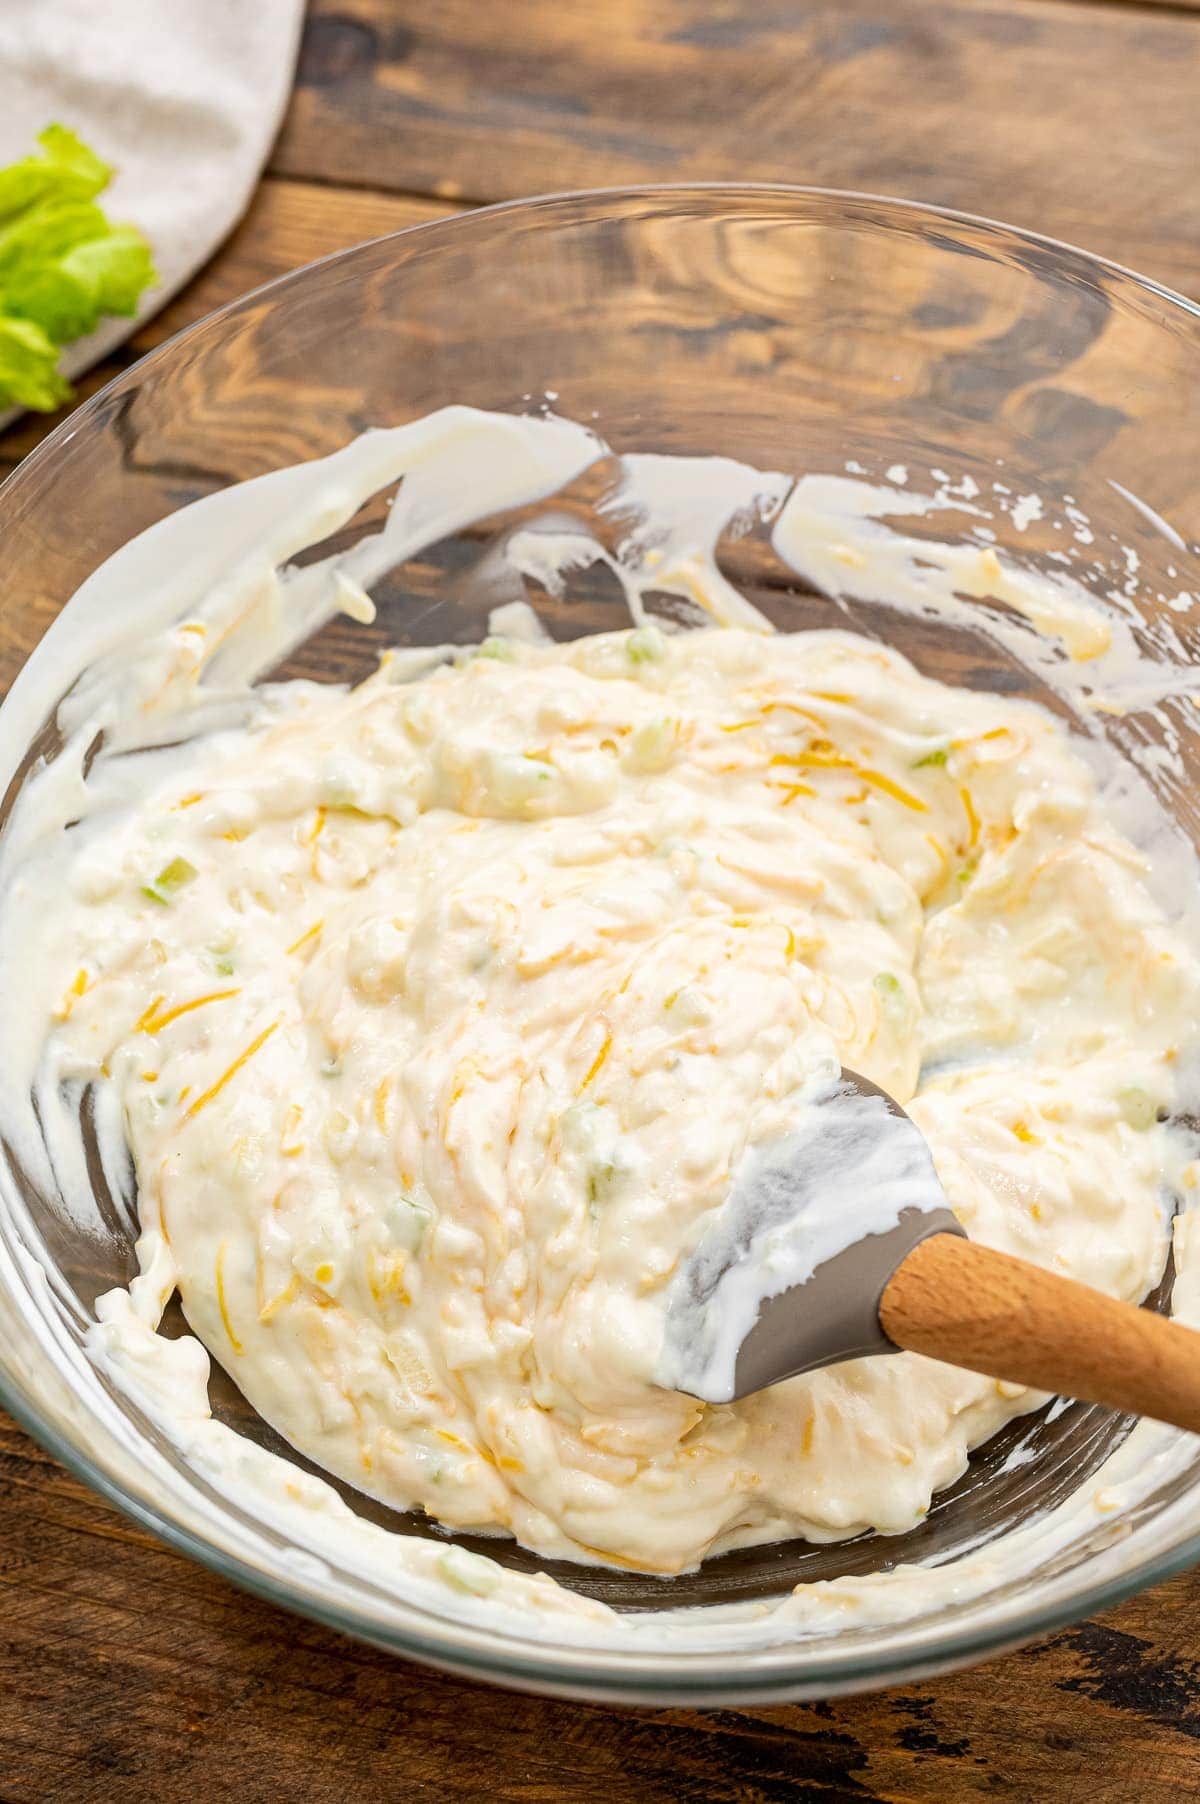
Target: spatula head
<point x="789" y="1274"/>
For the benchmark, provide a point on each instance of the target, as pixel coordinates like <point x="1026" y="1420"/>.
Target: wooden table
<point x="125" y="1672"/>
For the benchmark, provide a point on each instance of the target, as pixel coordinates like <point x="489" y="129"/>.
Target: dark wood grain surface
<point x="128" y="1674"/>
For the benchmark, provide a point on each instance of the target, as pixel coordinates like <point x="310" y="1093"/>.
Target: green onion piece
<point x="170" y="880"/>
<point x="601" y="1179"/>
<point x="937" y="758"/>
<point x="893" y="998"/>
<point x="645" y="645"/>
<point x="407" y="1220"/>
<point x="1138" y="1107"/>
<point x="468" y="1571"/>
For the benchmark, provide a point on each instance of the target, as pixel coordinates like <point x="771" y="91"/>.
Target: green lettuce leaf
<point x="28" y="367"/>
<point x="67" y="169"/>
<point x="63" y="266"/>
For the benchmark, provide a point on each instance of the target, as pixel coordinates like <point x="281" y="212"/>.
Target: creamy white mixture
<point x="442" y="1013"/>
<point x="441" y="1016"/>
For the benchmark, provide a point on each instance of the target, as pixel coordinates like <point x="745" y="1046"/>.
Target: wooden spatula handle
<point x="1002" y="1316"/>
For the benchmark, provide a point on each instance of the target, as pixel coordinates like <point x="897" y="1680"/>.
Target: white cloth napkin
<point x="183" y="96"/>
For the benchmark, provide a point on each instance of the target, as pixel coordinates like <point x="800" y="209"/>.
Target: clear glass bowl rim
<point x="801" y="1668"/>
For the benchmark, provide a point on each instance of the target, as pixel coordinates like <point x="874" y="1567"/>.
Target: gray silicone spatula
<point x="837" y="1241"/>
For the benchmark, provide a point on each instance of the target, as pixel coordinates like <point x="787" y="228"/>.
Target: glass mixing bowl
<point x="794" y="330"/>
